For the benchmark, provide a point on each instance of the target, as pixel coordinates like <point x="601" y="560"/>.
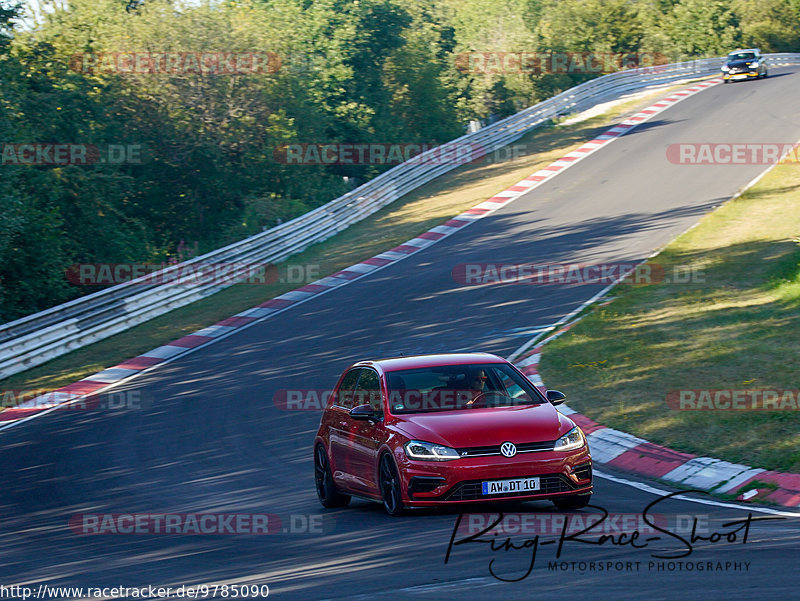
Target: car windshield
<point x="741" y="56"/>
<point x="459" y="387"/>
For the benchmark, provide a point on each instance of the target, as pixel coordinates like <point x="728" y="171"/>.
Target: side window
<point x="345" y="392"/>
<point x="368" y="390"/>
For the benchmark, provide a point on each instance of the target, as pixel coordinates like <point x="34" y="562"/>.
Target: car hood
<point x="485" y="427"/>
<point x="740" y="64"/>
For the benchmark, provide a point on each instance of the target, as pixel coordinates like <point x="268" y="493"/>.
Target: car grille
<point x="525" y="447"/>
<point x="471" y="490"/>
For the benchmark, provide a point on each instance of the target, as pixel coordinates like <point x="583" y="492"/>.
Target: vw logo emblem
<point x="508" y="449"/>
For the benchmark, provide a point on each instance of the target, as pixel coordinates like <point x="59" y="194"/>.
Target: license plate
<point x="740" y="76"/>
<point x="520" y="485"/>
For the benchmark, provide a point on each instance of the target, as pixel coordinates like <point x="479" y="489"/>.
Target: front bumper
<point x="727" y="76"/>
<point x="427" y="483"/>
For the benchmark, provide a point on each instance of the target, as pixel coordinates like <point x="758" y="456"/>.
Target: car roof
<point x="433" y="360"/>
<point x="755" y="50"/>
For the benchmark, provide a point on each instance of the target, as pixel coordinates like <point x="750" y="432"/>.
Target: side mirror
<point x="556" y="397"/>
<point x="364" y="412"/>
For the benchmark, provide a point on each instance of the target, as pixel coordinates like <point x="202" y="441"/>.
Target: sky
<point x="35" y="7"/>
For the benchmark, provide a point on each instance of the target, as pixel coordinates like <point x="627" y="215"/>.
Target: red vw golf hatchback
<point x="447" y="429"/>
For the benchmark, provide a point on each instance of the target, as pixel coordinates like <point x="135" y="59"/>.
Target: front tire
<point x="323" y="477"/>
<point x="573" y="502"/>
<point x="390" y="486"/>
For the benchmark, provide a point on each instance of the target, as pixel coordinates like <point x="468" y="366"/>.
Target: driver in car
<point x="477" y="387"/>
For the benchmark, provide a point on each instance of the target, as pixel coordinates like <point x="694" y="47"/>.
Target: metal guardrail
<point x="38" y="338"/>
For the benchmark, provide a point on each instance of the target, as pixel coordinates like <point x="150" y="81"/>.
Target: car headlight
<point x="753" y="65"/>
<point x="428" y="451"/>
<point x="726" y="68"/>
<point x="572" y="440"/>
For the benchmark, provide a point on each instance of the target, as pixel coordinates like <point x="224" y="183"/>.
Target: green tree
<point x="700" y="28"/>
<point x="771" y="25"/>
<point x="591" y="26"/>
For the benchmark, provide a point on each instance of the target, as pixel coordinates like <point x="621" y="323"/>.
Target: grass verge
<point x="733" y="326"/>
<point x="406" y="218"/>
